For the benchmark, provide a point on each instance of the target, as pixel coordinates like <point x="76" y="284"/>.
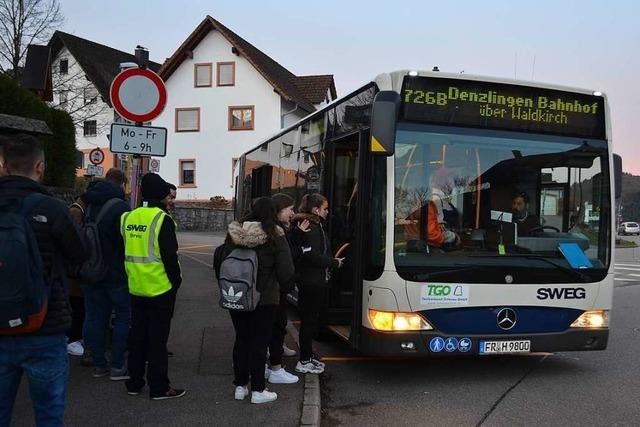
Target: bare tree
<point x="25" y="22"/>
<point x="74" y="93"/>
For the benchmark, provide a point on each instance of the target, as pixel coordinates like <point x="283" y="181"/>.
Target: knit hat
<point x="154" y="188"/>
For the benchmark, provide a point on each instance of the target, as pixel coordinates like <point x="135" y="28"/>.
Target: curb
<point x="311" y="403"/>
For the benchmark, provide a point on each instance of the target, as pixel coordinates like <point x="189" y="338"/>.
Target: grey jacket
<point x="274" y="257"/>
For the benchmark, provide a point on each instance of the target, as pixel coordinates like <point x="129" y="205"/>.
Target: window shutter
<point x="226" y="74"/>
<point x="187" y="120"/>
<point x="203" y="75"/>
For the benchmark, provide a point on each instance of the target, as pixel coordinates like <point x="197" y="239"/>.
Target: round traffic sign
<point x="138" y="94"/>
<point x="96" y="156"/>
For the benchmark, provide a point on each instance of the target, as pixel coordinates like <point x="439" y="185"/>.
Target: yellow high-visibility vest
<point x="140" y="230"/>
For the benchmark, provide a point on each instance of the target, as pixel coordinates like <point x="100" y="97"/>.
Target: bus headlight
<point x="392" y="321"/>
<point x="592" y="319"/>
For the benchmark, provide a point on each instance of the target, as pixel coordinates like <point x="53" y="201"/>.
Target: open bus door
<point x="348" y="165"/>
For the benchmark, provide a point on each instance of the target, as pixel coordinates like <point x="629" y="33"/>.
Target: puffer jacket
<point x="313" y="266"/>
<point x="275" y="265"/>
<point x="59" y="241"/>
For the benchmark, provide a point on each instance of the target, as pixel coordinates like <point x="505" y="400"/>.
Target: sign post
<point x="138" y="95"/>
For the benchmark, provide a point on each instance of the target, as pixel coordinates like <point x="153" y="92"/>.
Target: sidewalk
<point x="202" y="339"/>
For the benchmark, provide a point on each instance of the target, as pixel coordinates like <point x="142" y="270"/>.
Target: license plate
<point x="505" y="347"/>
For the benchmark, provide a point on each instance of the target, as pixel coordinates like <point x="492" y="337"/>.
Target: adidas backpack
<point x="24" y="293"/>
<point x="237" y="280"/>
<point x="94" y="269"/>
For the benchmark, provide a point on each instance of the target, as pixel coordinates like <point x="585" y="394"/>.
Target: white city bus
<point x="423" y="172"/>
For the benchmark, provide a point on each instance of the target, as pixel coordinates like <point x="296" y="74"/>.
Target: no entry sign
<point x="96" y="156"/>
<point x="138" y="95"/>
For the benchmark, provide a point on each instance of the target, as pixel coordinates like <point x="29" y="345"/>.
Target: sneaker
<point x="289" y="352"/>
<point x="172" y="393"/>
<point x="308" y="367"/>
<point x="170" y="353"/>
<point x="133" y="392"/>
<point x="282" y="377"/>
<point x="267" y="372"/>
<point x="241" y="392"/>
<point x="316" y="361"/>
<point x="263" y="396"/>
<point x="100" y="372"/>
<point x="119" y="374"/>
<point x="75" y="348"/>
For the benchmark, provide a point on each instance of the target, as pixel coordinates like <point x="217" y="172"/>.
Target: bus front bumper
<point x="430" y="343"/>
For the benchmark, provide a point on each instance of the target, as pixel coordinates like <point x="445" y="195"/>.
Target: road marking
<point x="197" y="246"/>
<point x="182" y="251"/>
<point x="206" y="264"/>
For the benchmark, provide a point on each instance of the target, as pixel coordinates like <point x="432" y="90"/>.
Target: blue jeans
<point x="45" y="360"/>
<point x="100" y="299"/>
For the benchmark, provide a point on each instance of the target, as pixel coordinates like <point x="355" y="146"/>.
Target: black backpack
<point x="24" y="292"/>
<point x="94" y="269"/>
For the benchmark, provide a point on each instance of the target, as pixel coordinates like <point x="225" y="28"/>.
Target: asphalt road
<point x="573" y="388"/>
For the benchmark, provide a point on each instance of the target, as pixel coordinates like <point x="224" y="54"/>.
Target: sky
<point x="588" y="44"/>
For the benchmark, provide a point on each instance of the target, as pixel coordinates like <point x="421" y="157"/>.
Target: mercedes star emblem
<point x="506" y="319"/>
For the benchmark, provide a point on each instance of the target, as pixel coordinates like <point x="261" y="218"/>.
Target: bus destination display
<point x="501" y="106"/>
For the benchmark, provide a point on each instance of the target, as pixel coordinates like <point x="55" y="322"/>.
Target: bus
<point x="476" y="214"/>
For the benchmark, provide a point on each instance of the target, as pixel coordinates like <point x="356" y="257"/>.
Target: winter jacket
<point x="275" y="265"/>
<point x="437" y="235"/>
<point x="60" y="242"/>
<point x="296" y="252"/>
<point x="316" y="259"/>
<point x="109" y="227"/>
<point x="168" y="243"/>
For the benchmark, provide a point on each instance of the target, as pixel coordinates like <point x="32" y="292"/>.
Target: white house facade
<point x="224" y="98"/>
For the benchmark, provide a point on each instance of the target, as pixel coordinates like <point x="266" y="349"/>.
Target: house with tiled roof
<point x="81" y="74"/>
<point x="224" y="97"/>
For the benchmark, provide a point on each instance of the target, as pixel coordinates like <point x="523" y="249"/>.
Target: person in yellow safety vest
<point x="153" y="271"/>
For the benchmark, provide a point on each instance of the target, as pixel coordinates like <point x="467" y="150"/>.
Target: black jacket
<point x="168" y="242"/>
<point x="275" y="266"/>
<point x="316" y="259"/>
<point x="60" y="242"/>
<point x="109" y="227"/>
<point x="296" y="252"/>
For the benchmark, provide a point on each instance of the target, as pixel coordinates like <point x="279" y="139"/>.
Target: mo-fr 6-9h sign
<point x="141" y="140"/>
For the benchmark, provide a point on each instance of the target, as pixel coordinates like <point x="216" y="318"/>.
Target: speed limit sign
<point x="96" y="156"/>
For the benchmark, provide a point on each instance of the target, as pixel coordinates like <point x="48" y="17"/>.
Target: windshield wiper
<point x="574" y="273"/>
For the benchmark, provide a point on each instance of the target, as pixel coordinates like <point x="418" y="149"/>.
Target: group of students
<point x="291" y="250"/>
<point x="128" y="265"/>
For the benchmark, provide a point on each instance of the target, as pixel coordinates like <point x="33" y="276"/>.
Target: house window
<point x="202" y="75"/>
<point x="241" y="118"/>
<point x="187" y="172"/>
<point x="90" y="95"/>
<point x="188" y="119"/>
<point x="90" y="127"/>
<point x="64" y="66"/>
<point x="226" y="75"/>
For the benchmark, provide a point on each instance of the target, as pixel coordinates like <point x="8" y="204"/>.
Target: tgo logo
<point x="436" y="344"/>
<point x="439" y="290"/>
<point x="137" y="227"/>
<point x="561" y="293"/>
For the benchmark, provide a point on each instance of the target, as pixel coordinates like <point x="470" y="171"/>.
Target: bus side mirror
<point x="384" y="115"/>
<point x="617" y="175"/>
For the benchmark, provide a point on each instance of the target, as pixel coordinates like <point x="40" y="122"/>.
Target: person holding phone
<point x="313" y="269"/>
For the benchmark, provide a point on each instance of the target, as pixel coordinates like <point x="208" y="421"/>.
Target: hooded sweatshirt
<point x="109" y="227"/>
<point x="316" y="260"/>
<point x="274" y="257"/>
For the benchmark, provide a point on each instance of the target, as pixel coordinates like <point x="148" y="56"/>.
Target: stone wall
<point x="191" y="218"/>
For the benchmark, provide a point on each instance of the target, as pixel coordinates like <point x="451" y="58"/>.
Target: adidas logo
<point x="232" y="306"/>
<point x="231" y="296"/>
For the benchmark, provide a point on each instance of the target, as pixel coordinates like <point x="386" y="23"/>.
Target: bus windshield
<point x="481" y="206"/>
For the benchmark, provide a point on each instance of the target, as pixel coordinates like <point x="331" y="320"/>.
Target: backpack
<point x="237" y="280"/>
<point x="24" y="292"/>
<point x="218" y="257"/>
<point x="94" y="269"/>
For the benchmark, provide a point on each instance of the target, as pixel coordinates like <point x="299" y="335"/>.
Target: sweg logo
<point x="443" y="290"/>
<point x="137" y="227"/>
<point x="561" y="293"/>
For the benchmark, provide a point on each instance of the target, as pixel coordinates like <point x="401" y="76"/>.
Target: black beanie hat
<point x="281" y="201"/>
<point x="154" y="188"/>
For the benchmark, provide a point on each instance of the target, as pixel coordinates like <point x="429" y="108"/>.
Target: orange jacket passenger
<point x="435" y="233"/>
